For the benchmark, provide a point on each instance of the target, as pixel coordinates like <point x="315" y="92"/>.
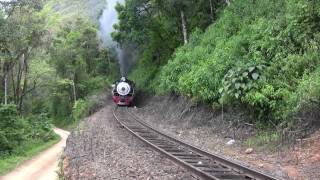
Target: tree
<point x="21" y="32"/>
<point x="78" y="60"/>
<point x="157" y="27"/>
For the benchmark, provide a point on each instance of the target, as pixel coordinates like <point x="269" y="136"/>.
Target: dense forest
<point x="260" y="55"/>
<point x="51" y="61"/>
<point x="257" y="54"/>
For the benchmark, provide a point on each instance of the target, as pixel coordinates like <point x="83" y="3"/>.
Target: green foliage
<point x="41" y="76"/>
<point x="309" y="89"/>
<point x="50" y="55"/>
<point x="83" y="67"/>
<point x="60" y="12"/>
<point x="239" y="81"/>
<point x="23" y="38"/>
<point x="30" y="149"/>
<point x="145" y="81"/>
<point x="61" y="101"/>
<point x="80" y="109"/>
<point x="154" y="27"/>
<point x="12" y="129"/>
<point x="262" y="55"/>
<point x="15" y="131"/>
<point x="267" y="102"/>
<point x="307" y="94"/>
<point x="95" y="84"/>
<point x="40" y="128"/>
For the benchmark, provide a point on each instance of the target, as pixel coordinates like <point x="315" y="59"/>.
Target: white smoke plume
<point x="107" y="20"/>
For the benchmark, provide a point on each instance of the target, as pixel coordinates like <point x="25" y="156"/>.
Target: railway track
<point x="202" y="163"/>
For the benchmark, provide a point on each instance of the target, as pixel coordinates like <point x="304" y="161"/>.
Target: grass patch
<point x="26" y="152"/>
<point x="267" y="140"/>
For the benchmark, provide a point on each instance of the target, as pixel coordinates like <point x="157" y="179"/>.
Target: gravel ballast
<point x="200" y="126"/>
<point x="101" y="149"/>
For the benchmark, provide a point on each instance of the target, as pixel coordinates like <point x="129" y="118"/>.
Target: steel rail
<point x="224" y="168"/>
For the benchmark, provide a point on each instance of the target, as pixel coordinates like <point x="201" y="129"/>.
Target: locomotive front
<point x="123" y="92"/>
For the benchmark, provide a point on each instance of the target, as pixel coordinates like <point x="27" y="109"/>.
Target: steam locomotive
<point x="123" y="92"/>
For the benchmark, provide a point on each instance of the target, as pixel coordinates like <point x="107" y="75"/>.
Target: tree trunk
<point x="74" y="92"/>
<point x="74" y="88"/>
<point x="8" y="66"/>
<point x="6" y="88"/>
<point x="13" y="84"/>
<point x="184" y="27"/>
<point x="211" y="10"/>
<point x="25" y="82"/>
<point x="17" y="85"/>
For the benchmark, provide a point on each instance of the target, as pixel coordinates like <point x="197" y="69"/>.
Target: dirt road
<point x="42" y="166"/>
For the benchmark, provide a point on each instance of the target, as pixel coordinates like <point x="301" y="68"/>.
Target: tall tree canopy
<point x="157" y="27"/>
<point x="21" y="33"/>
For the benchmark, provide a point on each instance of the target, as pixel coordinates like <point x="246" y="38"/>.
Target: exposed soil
<point x="100" y="149"/>
<point x="42" y="166"/>
<point x="199" y="125"/>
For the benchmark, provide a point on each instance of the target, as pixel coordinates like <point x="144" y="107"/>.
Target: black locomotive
<point x="123" y="92"/>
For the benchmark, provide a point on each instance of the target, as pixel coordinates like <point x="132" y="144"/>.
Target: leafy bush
<point x="16" y="131"/>
<point x="262" y="55"/>
<point x="307" y="94"/>
<point x="239" y="81"/>
<point x="12" y="128"/>
<point x="60" y="103"/>
<point x="80" y="109"/>
<point x="85" y="107"/>
<point x="267" y="103"/>
<point x="40" y="127"/>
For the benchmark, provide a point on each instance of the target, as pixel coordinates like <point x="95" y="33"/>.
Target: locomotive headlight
<point x="123" y="88"/>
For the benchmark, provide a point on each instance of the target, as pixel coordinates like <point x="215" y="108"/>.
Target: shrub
<point x="261" y="55"/>
<point x="40" y="127"/>
<point x="16" y="131"/>
<point x="307" y="94"/>
<point x="12" y="128"/>
<point x="240" y="80"/>
<point x="80" y="109"/>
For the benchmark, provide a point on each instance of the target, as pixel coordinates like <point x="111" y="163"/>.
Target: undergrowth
<point x="265" y="140"/>
<point x="263" y="56"/>
<point x="24" y="152"/>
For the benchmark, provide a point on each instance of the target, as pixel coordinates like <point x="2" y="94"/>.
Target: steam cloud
<point x="125" y="55"/>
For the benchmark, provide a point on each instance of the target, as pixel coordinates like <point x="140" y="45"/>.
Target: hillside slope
<point x="263" y="55"/>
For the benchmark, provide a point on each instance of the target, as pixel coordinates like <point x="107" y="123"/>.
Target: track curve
<point x="204" y="164"/>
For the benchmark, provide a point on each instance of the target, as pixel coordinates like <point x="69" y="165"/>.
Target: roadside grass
<point x="26" y="152"/>
<point x="266" y="140"/>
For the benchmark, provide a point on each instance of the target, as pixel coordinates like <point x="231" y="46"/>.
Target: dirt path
<point x="42" y="166"/>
